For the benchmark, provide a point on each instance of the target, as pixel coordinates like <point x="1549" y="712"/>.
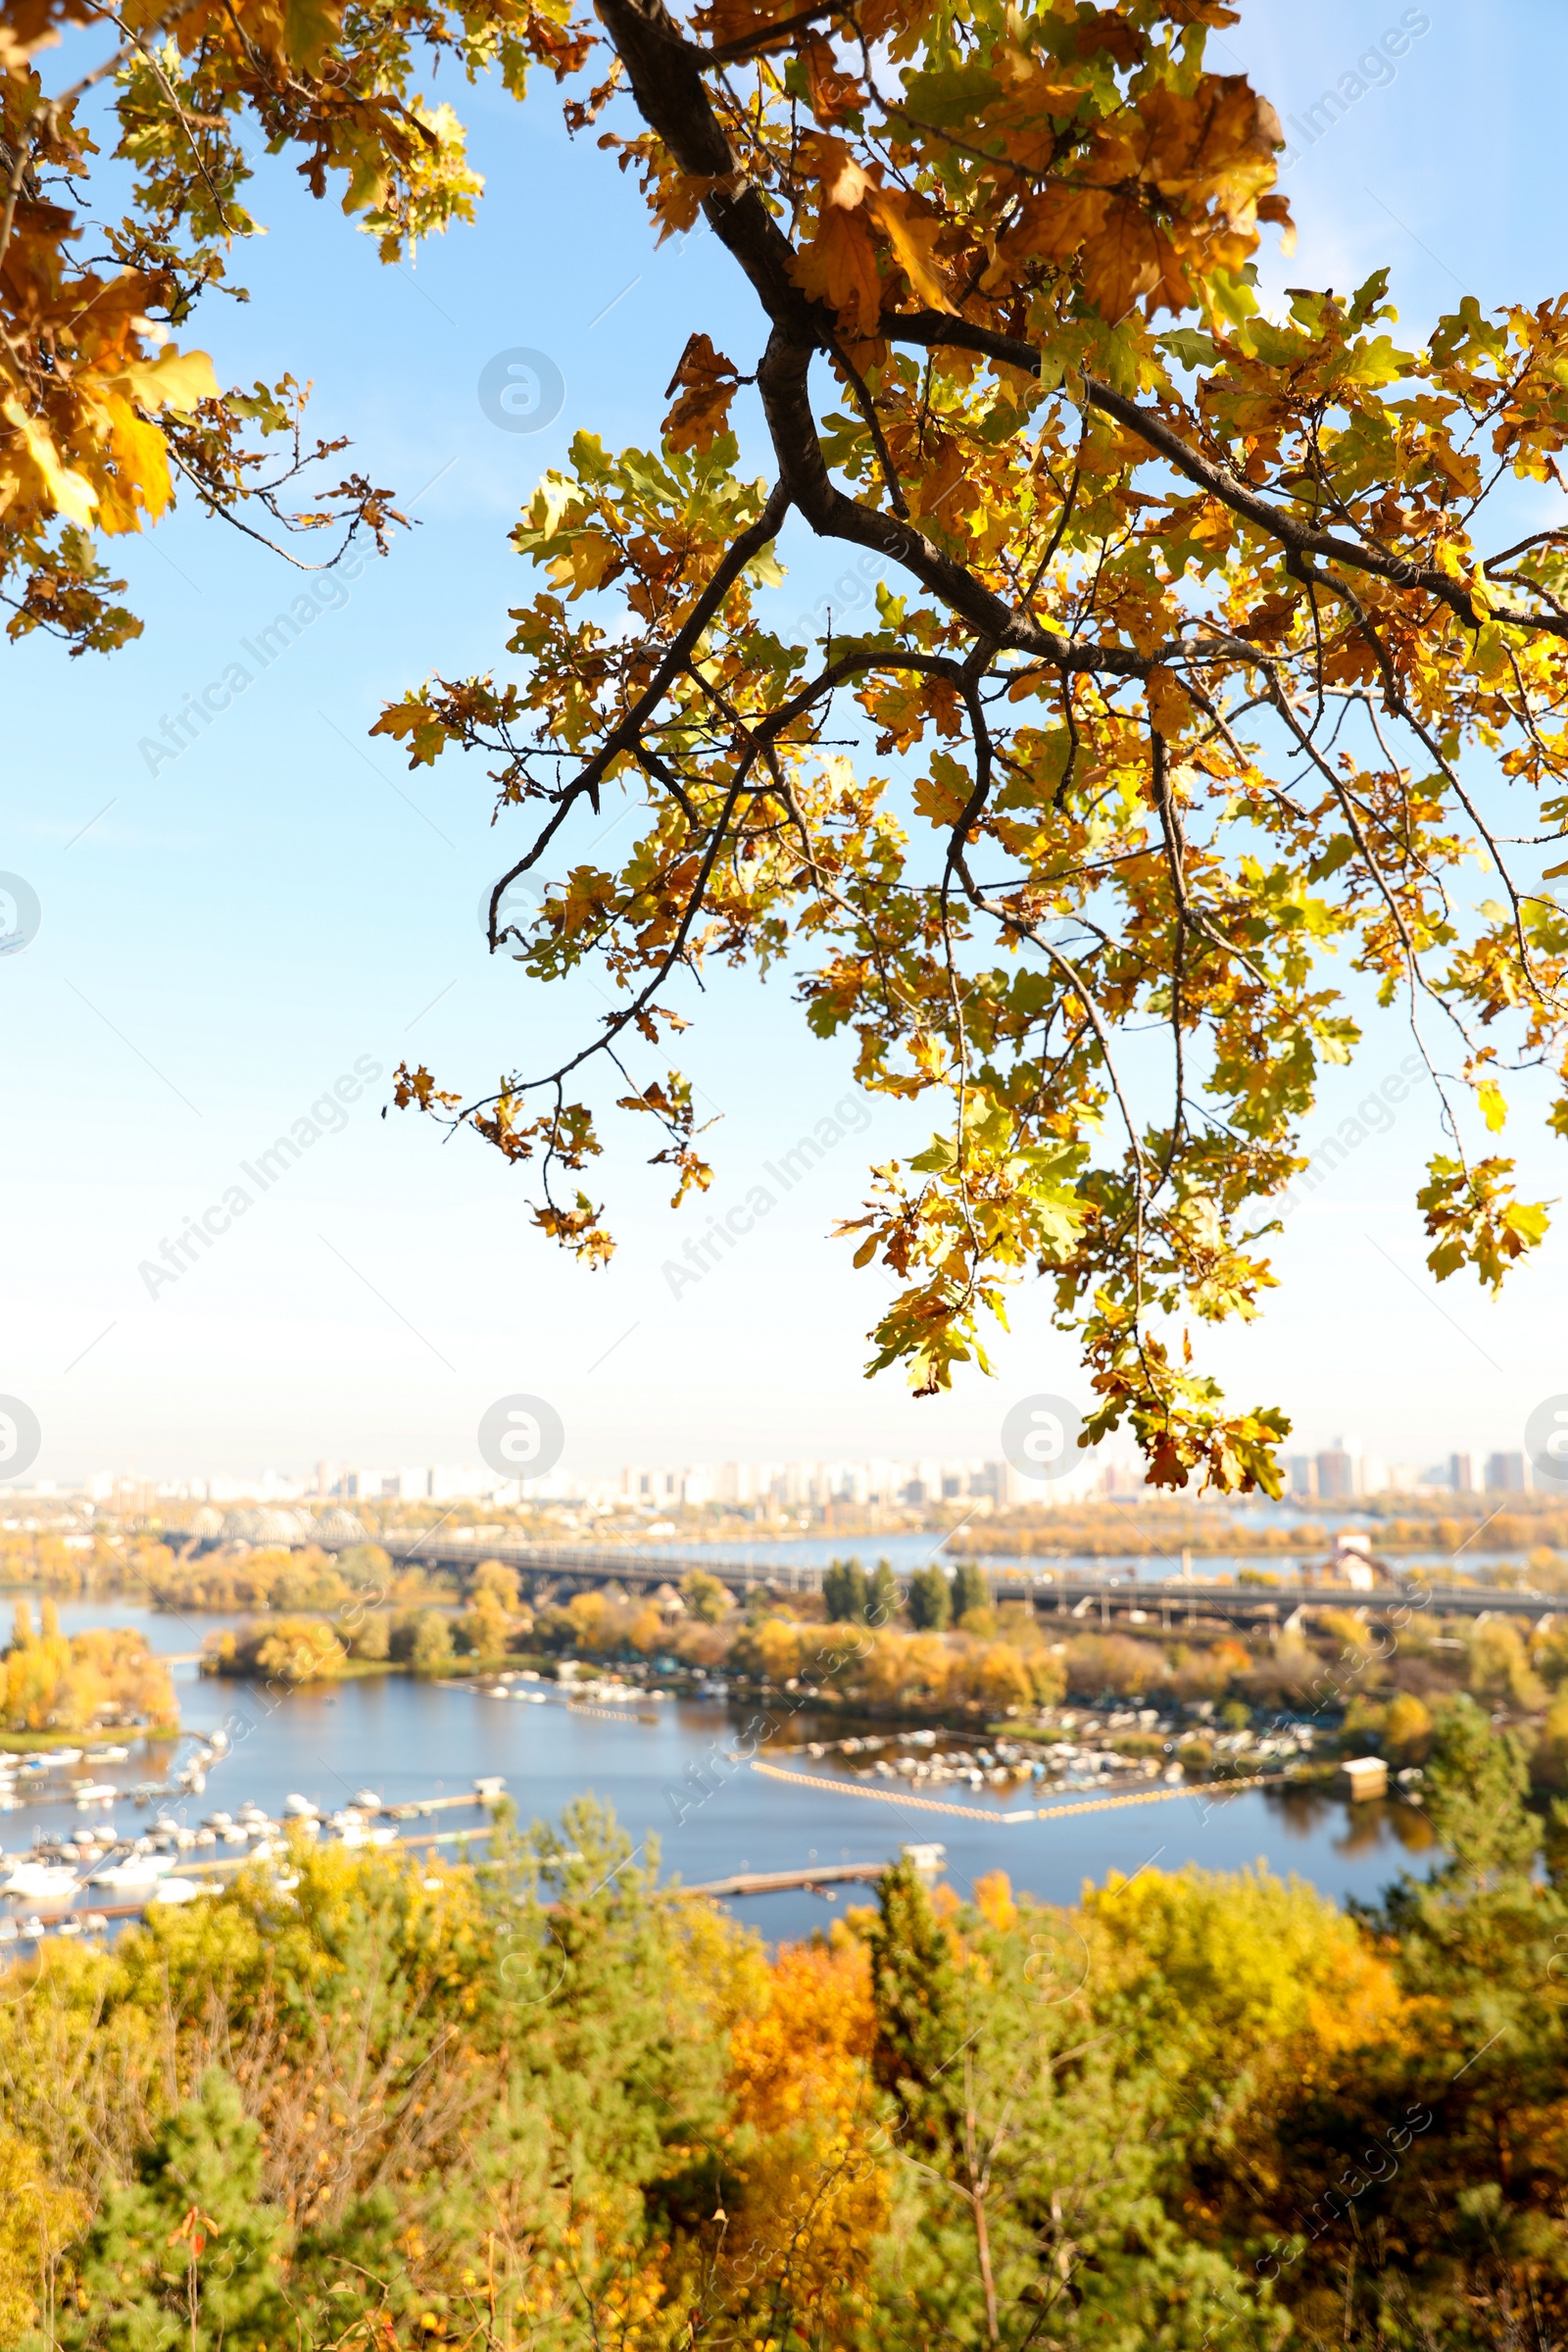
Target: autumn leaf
<point x="911" y="236"/>
<point x="707" y="384"/>
<point x="839" y="268"/>
<point x="1168" y="706"/>
<point x="1475" y="1219"/>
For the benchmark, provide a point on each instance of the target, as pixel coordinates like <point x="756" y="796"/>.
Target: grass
<point x="29" y="1743"/>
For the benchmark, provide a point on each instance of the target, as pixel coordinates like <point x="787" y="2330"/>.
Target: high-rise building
<point x="1336" y="1467"/>
<point x="1462" y="1473"/>
<point x="410" y="1485"/>
<point x="1506" y="1474"/>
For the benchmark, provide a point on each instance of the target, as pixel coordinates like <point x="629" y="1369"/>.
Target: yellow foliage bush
<point x="1406" y="1730"/>
<point x="39" y="2218"/>
<point x="1245" y="1970"/>
<point x="814" y="2199"/>
<point x="50" y="1681"/>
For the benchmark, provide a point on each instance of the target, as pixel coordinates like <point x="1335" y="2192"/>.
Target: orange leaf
<point x="708" y="382"/>
<point x="839" y="268"/>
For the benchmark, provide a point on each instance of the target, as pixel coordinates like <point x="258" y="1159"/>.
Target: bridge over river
<point x="1170" y="1604"/>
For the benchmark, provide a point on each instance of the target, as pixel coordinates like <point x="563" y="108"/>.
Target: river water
<point x="409" y="1740"/>
<point x="907" y="1552"/>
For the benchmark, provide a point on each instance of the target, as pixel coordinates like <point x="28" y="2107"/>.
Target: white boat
<point x="108" y="1756"/>
<point x="179" y="1891"/>
<point x="137" y="1870"/>
<point x="367" y="1800"/>
<point x="300" y="1808"/>
<point x="43" y="1882"/>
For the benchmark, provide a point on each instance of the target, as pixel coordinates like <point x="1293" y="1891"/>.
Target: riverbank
<point x="48" y="1743"/>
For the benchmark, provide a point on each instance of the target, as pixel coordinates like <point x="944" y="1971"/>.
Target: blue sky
<point x="223" y="941"/>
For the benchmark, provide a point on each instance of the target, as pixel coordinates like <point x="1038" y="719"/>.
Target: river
<point x="409" y="1740"/>
<point x="908" y="1552"/>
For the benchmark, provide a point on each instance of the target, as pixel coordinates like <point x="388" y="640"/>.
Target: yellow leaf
<point x="911" y="241"/>
<point x="590" y="559"/>
<point x="944" y="794"/>
<point x="1168" y="706"/>
<point x="139" y="479"/>
<point x="1494" y="1109"/>
<point x="70" y="493"/>
<point x="309" y="30"/>
<point x="176" y="381"/>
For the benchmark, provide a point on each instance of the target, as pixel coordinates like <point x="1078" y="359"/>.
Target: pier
<point x="786" y="1881"/>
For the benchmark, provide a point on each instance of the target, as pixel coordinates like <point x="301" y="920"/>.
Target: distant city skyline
<point x="1343" y="1471"/>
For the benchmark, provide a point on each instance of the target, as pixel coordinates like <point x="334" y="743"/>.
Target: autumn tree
<point x="843" y="1592"/>
<point x="1204" y="651"/>
<point x="1476" y="1778"/>
<point x="970" y="1593"/>
<point x="501" y="1583"/>
<point x="705" y="1596"/>
<point x="883" y="1599"/>
<point x="50" y="1681"/>
<point x="930" y="1600"/>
